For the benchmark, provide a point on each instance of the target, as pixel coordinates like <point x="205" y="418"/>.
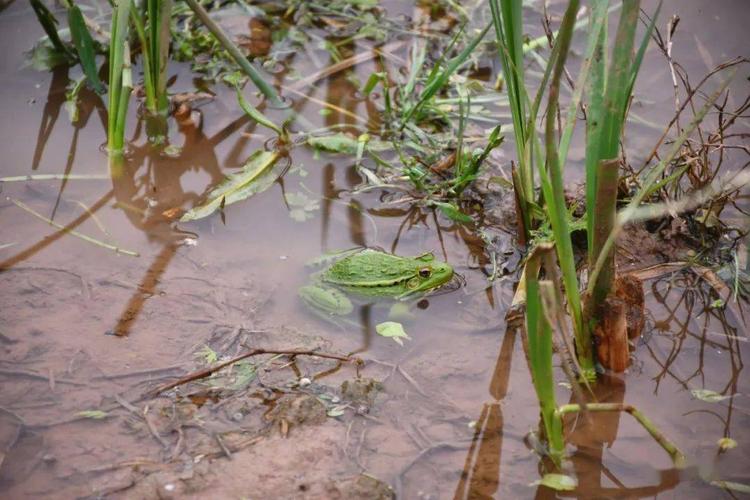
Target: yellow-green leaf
<point x="558" y="482"/>
<point x="392" y="330"/>
<point x="256" y="176"/>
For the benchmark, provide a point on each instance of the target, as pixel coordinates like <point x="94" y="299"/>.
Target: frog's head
<point x="429" y="274"/>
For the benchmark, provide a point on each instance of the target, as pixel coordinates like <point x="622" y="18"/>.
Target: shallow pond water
<point x="83" y="328"/>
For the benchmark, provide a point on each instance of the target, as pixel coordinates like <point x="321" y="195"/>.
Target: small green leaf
<point x="374" y="79"/>
<point x="708" y="395"/>
<point x="209" y="355"/>
<point x="94" y="414"/>
<point x="392" y="330"/>
<point x="717" y="304"/>
<point x="726" y="443"/>
<point x="256" y="176"/>
<point x="453" y="212"/>
<point x="558" y="482"/>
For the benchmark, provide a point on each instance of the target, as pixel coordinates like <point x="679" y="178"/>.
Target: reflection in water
<point x="51" y="111"/>
<point x="687" y="315"/>
<point x="481" y="474"/>
<point x="684" y="316"/>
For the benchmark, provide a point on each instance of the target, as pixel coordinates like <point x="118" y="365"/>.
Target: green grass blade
<point x="641" y="52"/>
<point x="265" y="88"/>
<point x="84" y="44"/>
<point x="441" y="78"/>
<point x="595" y="89"/>
<point x="598" y="18"/>
<point x="554" y="195"/>
<point x="256" y="115"/>
<point x="652" y="178"/>
<point x="49" y="24"/>
<point x="117" y="48"/>
<point x="539" y="334"/>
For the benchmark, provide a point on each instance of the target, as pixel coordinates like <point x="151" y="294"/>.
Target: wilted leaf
<point x="708" y="395"/>
<point x="392" y="330"/>
<point x="95" y="414"/>
<point x="256" y="176"/>
<point x="558" y="482"/>
<point x="71" y="100"/>
<point x="44" y="57"/>
<point x="726" y="443"/>
<point x="730" y="485"/>
<point x="245" y="373"/>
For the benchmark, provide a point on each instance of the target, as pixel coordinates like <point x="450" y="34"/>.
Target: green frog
<point x="372" y="274"/>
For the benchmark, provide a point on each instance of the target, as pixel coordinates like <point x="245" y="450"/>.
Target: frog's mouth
<point x="457" y="281"/>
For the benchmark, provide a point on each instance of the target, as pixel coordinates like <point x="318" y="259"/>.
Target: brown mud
<point x="84" y="329"/>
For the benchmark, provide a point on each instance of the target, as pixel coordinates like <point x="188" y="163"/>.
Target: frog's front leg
<point x="325" y="300"/>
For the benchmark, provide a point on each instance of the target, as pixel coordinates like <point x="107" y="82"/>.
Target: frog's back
<point x="369" y="268"/>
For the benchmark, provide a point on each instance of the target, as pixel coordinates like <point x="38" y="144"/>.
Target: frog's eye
<point x="425" y="272"/>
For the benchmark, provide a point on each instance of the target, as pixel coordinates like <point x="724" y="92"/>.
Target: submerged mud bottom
<point x="284" y="426"/>
<point x="108" y="379"/>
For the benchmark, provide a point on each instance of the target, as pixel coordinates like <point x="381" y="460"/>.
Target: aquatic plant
<point x="153" y="32"/>
<point x="120" y="78"/>
<point x="609" y="96"/>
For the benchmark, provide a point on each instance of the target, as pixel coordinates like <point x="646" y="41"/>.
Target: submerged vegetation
<point x="466" y="119"/>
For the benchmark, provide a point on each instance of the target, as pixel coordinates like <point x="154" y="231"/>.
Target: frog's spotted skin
<point x="372" y="273"/>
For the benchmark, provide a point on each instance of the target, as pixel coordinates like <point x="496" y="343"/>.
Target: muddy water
<point x="85" y="328"/>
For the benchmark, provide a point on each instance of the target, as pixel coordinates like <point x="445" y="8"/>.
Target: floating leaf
<point x="392" y="330"/>
<point x="708" y="395"/>
<point x="730" y="485"/>
<point x="558" y="482"/>
<point x="726" y="443"/>
<point x="256" y="176"/>
<point x="344" y="143"/>
<point x="337" y="411"/>
<point x="95" y="414"/>
<point x="301" y="206"/>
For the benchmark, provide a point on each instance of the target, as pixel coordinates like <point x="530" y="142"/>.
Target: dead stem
<point x="72" y="232"/>
<point x="678" y="458"/>
<point x="206" y="372"/>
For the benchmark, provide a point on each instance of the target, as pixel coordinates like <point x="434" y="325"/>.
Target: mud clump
<point x="362" y="487"/>
<point x="295" y="410"/>
<point x="361" y="391"/>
